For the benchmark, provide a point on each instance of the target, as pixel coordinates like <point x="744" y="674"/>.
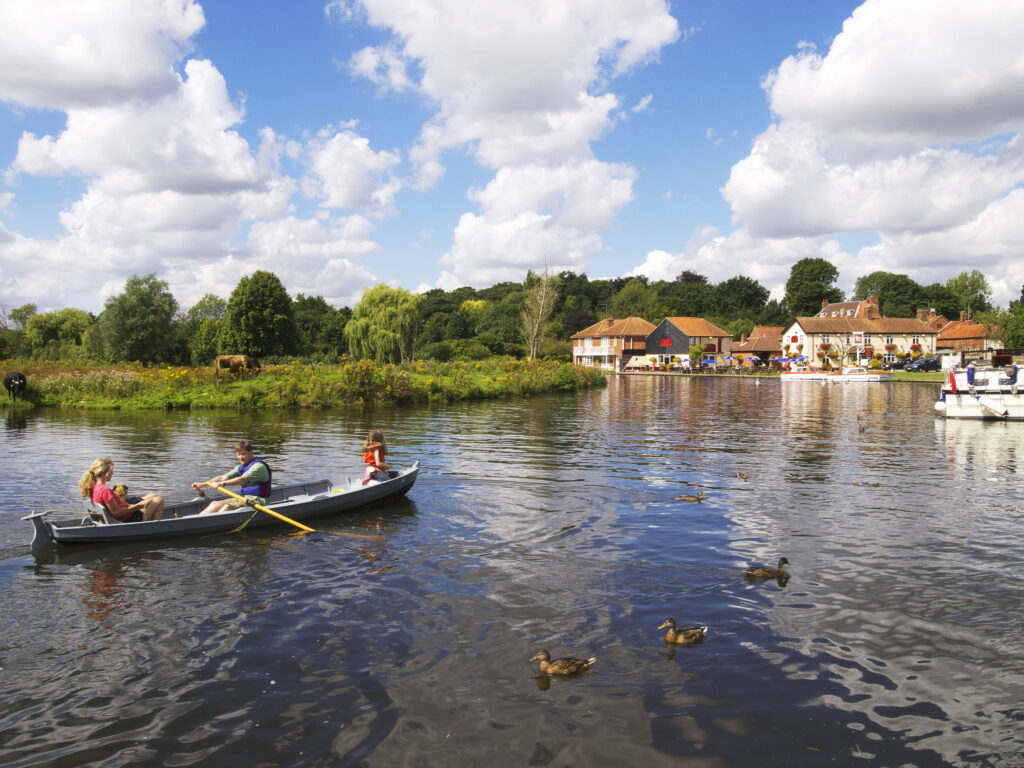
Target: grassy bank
<point x="294" y="385"/>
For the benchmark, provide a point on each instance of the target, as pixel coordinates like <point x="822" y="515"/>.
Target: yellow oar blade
<point x="261" y="508"/>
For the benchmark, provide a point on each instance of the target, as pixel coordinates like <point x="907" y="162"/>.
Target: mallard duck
<point x="683" y="635"/>
<point x="742" y="475"/>
<point x="566" y="666"/>
<point x="767" y="573"/>
<point x="690" y="497"/>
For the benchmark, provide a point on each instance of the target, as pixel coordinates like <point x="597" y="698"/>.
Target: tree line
<point x="534" y="318"/>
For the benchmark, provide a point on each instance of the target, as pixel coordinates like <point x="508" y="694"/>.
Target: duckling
<point x="768" y="573"/>
<point x="742" y="475"/>
<point x="690" y="497"/>
<point x="683" y="635"/>
<point x="566" y="666"/>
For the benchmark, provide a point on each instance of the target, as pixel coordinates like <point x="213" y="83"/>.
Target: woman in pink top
<point x="94" y="486"/>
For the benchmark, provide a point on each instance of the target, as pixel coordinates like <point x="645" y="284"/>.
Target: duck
<point x="690" y="497"/>
<point x="683" y="635"/>
<point x="566" y="666"/>
<point x="758" y="572"/>
<point x="742" y="475"/>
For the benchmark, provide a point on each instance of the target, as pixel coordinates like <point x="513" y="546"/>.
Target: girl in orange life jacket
<point x="373" y="454"/>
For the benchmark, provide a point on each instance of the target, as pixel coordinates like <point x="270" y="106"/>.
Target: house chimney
<point x="824" y="303"/>
<point x="963" y="315"/>
<point x="743" y="338"/>
<point x="922" y="315"/>
<point x="873" y="298"/>
<point x="871" y="310"/>
<point x="931" y="313"/>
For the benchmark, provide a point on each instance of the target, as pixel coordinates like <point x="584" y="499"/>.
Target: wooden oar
<point x="261" y="508"/>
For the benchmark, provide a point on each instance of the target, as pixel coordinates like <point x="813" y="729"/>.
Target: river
<point x="554" y="523"/>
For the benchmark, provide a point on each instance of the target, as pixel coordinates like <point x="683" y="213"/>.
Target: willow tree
<point x="537" y="307"/>
<point x="385" y="324"/>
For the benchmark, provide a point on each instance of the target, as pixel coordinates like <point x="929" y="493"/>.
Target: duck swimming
<point x="566" y="666"/>
<point x="759" y="572"/>
<point x="742" y="475"/>
<point x="690" y="497"/>
<point x="683" y="635"/>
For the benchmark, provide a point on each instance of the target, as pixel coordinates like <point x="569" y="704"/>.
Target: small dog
<point x="121" y="490"/>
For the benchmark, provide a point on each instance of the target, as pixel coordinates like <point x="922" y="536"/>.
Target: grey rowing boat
<point x="301" y="501"/>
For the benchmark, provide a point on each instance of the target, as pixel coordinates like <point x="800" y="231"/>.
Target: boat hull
<point x="986" y="393"/>
<point x="859" y="375"/>
<point x="301" y="502"/>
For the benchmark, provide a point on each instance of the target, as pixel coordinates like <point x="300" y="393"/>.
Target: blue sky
<point x="438" y="143"/>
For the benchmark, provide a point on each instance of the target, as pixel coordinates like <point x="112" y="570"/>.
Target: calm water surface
<point x="547" y="523"/>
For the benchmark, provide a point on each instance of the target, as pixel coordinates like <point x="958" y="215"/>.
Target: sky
<point x="441" y="143"/>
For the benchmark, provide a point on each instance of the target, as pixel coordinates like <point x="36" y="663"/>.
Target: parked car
<point x="895" y="365"/>
<point x="925" y="364"/>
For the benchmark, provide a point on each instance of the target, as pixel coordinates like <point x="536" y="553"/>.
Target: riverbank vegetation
<point x="532" y="319"/>
<point x="295" y="384"/>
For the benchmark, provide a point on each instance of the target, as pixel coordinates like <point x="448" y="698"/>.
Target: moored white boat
<point x="982" y="393"/>
<point x="301" y="502"/>
<point x="804" y="373"/>
<point x="856" y="373"/>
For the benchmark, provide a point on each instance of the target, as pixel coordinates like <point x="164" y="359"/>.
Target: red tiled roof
<point x="760" y="344"/>
<point x="969" y="330"/>
<point x="631" y="326"/>
<point x="697" y="326"/>
<point x="767" y="331"/>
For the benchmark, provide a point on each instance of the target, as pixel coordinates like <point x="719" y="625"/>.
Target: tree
<point x="898" y="295"/>
<point x="259" y="319"/>
<point x="201" y="326"/>
<point x="971" y="290"/>
<point x="942" y="300"/>
<point x="385" y="325"/>
<point x="810" y="281"/>
<point x="537" y="307"/>
<point x="739" y="296"/>
<point x="1013" y="333"/>
<point x="499" y="327"/>
<point x="138" y="324"/>
<point x="774" y="314"/>
<point x="19" y="315"/>
<point x="321" y="326"/>
<point x="57" y="334"/>
<point x="635" y="298"/>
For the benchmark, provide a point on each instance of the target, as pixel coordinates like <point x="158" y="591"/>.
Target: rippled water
<point x="546" y="523"/>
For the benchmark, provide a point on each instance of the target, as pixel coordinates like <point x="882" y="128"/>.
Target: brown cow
<point x="234" y="364"/>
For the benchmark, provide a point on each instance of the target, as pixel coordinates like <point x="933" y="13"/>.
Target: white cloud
<point x="524" y="88"/>
<point x="87" y="53"/>
<point x="535" y="215"/>
<point x="349" y="173"/>
<point x="909" y="127"/>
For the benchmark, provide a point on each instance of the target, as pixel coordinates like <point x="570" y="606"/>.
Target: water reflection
<point x="553" y="522"/>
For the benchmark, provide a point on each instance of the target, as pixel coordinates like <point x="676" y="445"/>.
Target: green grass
<point x="295" y="385"/>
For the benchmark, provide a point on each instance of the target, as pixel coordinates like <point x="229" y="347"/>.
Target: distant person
<point x="252" y="474"/>
<point x="93" y="485"/>
<point x="373" y="454"/>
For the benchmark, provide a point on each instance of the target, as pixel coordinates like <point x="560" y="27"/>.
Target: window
<point x="825" y="339"/>
<point x="849" y="339"/>
<point x="915" y="340"/>
<point x="867" y="338"/>
<point x="888" y="338"/>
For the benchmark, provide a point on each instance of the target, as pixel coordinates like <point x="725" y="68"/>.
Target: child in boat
<point x="373" y="454"/>
<point x="93" y="485"/>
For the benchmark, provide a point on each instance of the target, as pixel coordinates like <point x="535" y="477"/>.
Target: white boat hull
<point x="857" y="374"/>
<point x="983" y="393"/>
